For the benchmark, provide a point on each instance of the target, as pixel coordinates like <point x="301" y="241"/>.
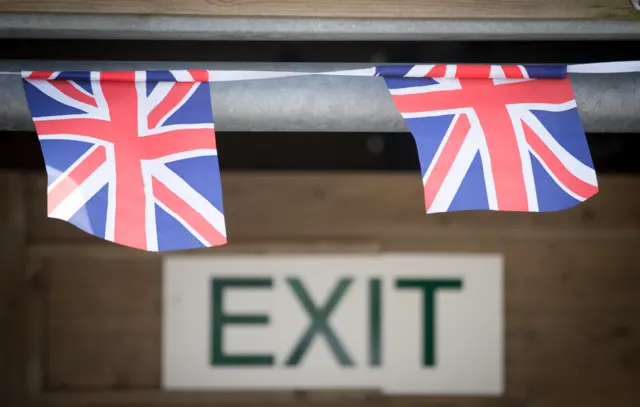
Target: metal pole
<point x="608" y="103"/>
<point x="92" y="26"/>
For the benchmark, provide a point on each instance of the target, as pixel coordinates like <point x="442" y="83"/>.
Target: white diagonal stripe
<point x="174" y="127"/>
<point x="455" y="176"/>
<point x="527" y="169"/>
<point x="496" y="72"/>
<point x="441" y="147"/>
<point x="82" y="194"/>
<point x="185" y="99"/>
<point x="419" y="71"/>
<point x="186" y="154"/>
<point x="443" y="84"/>
<point x="48" y="89"/>
<point x="150" y="227"/>
<point x="72" y="167"/>
<point x="182" y="76"/>
<point x="192" y="197"/>
<point x="555" y="179"/>
<point x="184" y="223"/>
<point x="571" y="163"/>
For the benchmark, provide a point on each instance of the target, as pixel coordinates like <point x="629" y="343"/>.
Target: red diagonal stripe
<point x="74" y="93"/>
<point x="75" y="178"/>
<point x="185" y="211"/>
<point x="199" y="75"/>
<point x="575" y="184"/>
<point x="40" y="75"/>
<point x="177" y="93"/>
<point x="437" y="71"/>
<point x="444" y="162"/>
<point x="512" y="72"/>
<point x="175" y="141"/>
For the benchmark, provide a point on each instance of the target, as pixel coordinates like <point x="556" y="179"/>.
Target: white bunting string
<point x="235" y="75"/>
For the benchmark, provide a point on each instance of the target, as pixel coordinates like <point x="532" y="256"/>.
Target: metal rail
<point x="608" y="103"/>
<point x="90" y="26"/>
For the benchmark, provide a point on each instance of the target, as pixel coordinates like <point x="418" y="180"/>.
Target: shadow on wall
<point x="612" y="153"/>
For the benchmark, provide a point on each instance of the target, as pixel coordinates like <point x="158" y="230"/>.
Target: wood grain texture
<point x="413" y="9"/>
<point x="13" y="291"/>
<point x="154" y="399"/>
<point x="384" y="208"/>
<point x="571" y="323"/>
<point x="12" y="236"/>
<point x="572" y="282"/>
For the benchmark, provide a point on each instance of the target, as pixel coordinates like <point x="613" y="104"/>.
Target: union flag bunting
<point x="495" y="138"/>
<point x="131" y="156"/>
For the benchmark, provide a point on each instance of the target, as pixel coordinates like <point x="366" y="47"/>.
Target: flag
<point x="130" y="156"/>
<point x="503" y="138"/>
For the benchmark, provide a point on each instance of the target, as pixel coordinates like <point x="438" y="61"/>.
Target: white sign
<point x="404" y="324"/>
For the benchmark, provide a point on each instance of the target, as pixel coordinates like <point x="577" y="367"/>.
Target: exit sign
<point x="404" y="324"/>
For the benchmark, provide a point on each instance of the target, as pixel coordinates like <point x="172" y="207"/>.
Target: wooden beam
<point x="12" y="235"/>
<point x="299" y="399"/>
<point x="370" y="209"/>
<point x="382" y="9"/>
<point x="14" y="292"/>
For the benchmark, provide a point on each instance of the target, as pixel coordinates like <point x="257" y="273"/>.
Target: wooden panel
<point x="571" y="320"/>
<point x="303" y="400"/>
<point x="333" y="399"/>
<point x="104" y="325"/>
<point x="376" y="207"/>
<point x="572" y="283"/>
<point x="12" y="235"/>
<point x="13" y="293"/>
<point x="548" y="9"/>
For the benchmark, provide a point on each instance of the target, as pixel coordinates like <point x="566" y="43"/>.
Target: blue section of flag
<point x="196" y="110"/>
<point x="391" y="71"/>
<point x="172" y="235"/>
<point x="546" y="71"/>
<point x="551" y="197"/>
<point x="428" y="133"/>
<point x="567" y="130"/>
<point x="398" y="83"/>
<point x="192" y="171"/>
<point x="472" y="193"/>
<point x="61" y="154"/>
<point x="92" y="217"/>
<point x="80" y="78"/>
<point x="160" y="76"/>
<point x="151" y="85"/>
<point x="41" y="105"/>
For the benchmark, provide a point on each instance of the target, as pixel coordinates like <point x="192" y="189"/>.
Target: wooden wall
<point x="414" y="9"/>
<point x="81" y="317"/>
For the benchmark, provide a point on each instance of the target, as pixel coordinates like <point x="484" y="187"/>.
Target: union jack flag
<point x="510" y="144"/>
<point x="131" y="156"/>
